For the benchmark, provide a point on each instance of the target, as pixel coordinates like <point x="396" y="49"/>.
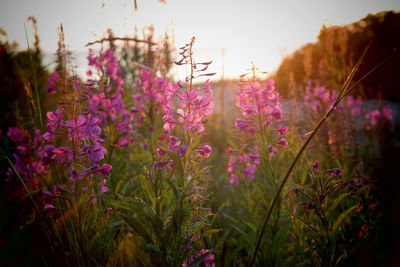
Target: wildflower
<point x="229" y="150"/>
<point x="92" y="129"/>
<point x="162" y="163"/>
<point x="182" y="150"/>
<point x="272" y="150"/>
<point x="282" y="130"/>
<point x="240" y="124"/>
<point x="54" y="119"/>
<point x="173" y="144"/>
<point x="387" y="113"/>
<point x="374" y="116"/>
<point x="15" y="134"/>
<point x="277" y="114"/>
<point x="315" y="165"/>
<point x="336" y="172"/>
<point x="105" y="169"/>
<point x="282" y="142"/>
<point x="76" y="127"/>
<point x="231" y="164"/>
<point x="249" y="171"/>
<point x="102" y="187"/>
<point x="234" y="179"/>
<point x="160" y="152"/>
<point x="204" y="151"/>
<point x="54" y="78"/>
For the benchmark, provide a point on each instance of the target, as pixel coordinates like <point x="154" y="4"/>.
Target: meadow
<point x="128" y="167"/>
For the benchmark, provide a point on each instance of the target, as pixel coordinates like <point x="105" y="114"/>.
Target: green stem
<point x="34" y="82"/>
<point x="342" y="94"/>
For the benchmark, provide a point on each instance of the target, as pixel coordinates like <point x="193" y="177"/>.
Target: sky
<point x="262" y="31"/>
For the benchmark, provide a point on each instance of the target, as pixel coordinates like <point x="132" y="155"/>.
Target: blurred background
<point x="294" y="42"/>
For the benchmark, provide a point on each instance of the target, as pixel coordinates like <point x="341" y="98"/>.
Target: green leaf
<point x="342" y="217"/>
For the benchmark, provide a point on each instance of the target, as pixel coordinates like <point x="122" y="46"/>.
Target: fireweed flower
<point x="105" y="98"/>
<point x="260" y="109"/>
<point x="204" y="151"/>
<point x="27" y="160"/>
<point x="282" y="142"/>
<point x="282" y="130"/>
<point x="54" y="79"/>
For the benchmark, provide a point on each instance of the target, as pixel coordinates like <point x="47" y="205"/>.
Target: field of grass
<point x="127" y="167"/>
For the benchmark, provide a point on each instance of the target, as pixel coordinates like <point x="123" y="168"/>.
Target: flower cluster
<point x="260" y="111"/>
<point x="85" y="145"/>
<point x="322" y="99"/>
<point x="106" y="91"/>
<point x="188" y="108"/>
<point x="376" y="115"/>
<point x="152" y="99"/>
<point x="208" y="261"/>
<point x="26" y="162"/>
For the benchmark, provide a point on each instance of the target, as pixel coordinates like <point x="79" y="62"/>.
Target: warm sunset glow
<point x="262" y="31"/>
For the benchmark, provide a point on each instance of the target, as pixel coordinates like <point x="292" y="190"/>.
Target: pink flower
<point x="387" y="113"/>
<point x="92" y="129"/>
<point x="188" y="97"/>
<point x="173" y="144"/>
<point x="16" y="134"/>
<point x="105" y="169"/>
<point x="277" y="114"/>
<point x="234" y="179"/>
<point x="231" y="164"/>
<point x="102" y="187"/>
<point x="374" y="116"/>
<point x="282" y="130"/>
<point x="249" y="171"/>
<point x="76" y="127"/>
<point x="160" y="152"/>
<point x="282" y="142"/>
<point x="240" y="124"/>
<point x="95" y="152"/>
<point x="204" y="151"/>
<point x="162" y="163"/>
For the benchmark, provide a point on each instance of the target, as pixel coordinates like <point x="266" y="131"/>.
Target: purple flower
<point x="234" y="179"/>
<point x="204" y="151"/>
<point x="182" y="150"/>
<point x="102" y="187"/>
<point x="15" y="134"/>
<point x="249" y="171"/>
<point x="240" y="124"/>
<point x="277" y="114"/>
<point x="282" y="130"/>
<point x="336" y="172"/>
<point x="231" y="164"/>
<point x="92" y="129"/>
<point x="162" y="163"/>
<point x="76" y="127"/>
<point x="315" y="165"/>
<point x="173" y="144"/>
<point x="54" y="78"/>
<point x="105" y="169"/>
<point x="282" y="142"/>
<point x="387" y="113"/>
<point x="272" y="150"/>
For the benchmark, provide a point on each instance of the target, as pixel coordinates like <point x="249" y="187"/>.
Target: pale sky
<point x="251" y="30"/>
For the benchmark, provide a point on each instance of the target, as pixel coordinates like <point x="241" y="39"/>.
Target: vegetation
<point x="126" y="167"/>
